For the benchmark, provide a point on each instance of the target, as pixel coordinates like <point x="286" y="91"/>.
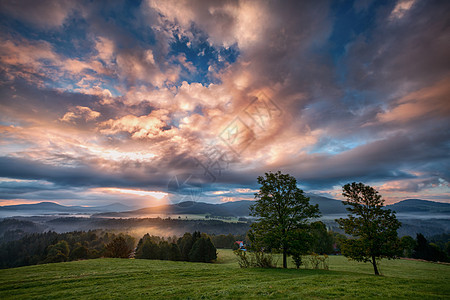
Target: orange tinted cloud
<point x="428" y="102"/>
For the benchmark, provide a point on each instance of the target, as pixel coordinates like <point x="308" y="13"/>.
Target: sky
<point x="153" y="102"/>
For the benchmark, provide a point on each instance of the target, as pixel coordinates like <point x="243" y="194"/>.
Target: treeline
<point x="194" y="247"/>
<point x="320" y="240"/>
<point x="438" y="249"/>
<point x="13" y="229"/>
<point x="39" y="248"/>
<point x="50" y="247"/>
<point x="178" y="226"/>
<point x="314" y="243"/>
<point x="227" y="241"/>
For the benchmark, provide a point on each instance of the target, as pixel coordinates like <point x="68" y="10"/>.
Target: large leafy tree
<point x="373" y="227"/>
<point x="282" y="211"/>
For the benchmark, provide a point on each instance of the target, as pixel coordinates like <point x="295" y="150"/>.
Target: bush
<point x="297" y="259"/>
<point x="315" y="261"/>
<point x="256" y="259"/>
<point x="263" y="260"/>
<point x="243" y="260"/>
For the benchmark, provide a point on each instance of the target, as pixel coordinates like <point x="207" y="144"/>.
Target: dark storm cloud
<point x="44" y="14"/>
<point x="78" y="176"/>
<point x="406" y="52"/>
<point x="387" y="159"/>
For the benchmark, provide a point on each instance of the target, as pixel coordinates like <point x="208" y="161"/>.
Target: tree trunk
<point x="374" y="263"/>
<point x="284" y="257"/>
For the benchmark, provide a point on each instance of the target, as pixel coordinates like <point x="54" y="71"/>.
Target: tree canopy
<point x="373" y="227"/>
<point x="282" y="211"/>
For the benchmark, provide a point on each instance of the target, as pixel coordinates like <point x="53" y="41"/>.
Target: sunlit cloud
<point x="401" y="8"/>
<point x="155" y="194"/>
<point x="80" y="112"/>
<point x="234" y="199"/>
<point x="99" y="108"/>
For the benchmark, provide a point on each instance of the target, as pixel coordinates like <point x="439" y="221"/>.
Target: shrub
<point x="315" y="261"/>
<point x="243" y="260"/>
<point x="297" y="259"/>
<point x="256" y="259"/>
<point x="263" y="260"/>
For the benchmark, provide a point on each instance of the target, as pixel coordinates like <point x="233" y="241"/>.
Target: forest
<point x="49" y="247"/>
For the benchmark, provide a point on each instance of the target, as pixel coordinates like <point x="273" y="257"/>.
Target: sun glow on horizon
<point x="155" y="194"/>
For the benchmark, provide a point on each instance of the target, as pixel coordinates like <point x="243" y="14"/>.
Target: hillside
<point x="50" y="207"/>
<point x="228" y="209"/>
<point x="327" y="206"/>
<point x="420" y="206"/>
<point x="417" y="216"/>
<point x="135" y="279"/>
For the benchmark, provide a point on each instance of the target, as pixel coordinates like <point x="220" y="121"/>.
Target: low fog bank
<point x="15" y="228"/>
<point x="417" y="216"/>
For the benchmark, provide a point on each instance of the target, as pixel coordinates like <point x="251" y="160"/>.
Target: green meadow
<point x="139" y="279"/>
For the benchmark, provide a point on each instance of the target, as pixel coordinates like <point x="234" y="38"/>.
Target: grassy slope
<point x="122" y="278"/>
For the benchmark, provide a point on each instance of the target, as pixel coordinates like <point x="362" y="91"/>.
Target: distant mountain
<point x="112" y="207"/>
<point x="328" y="206"/>
<point x="416" y="215"/>
<point x="49" y="207"/>
<point x="420" y="206"/>
<point x="229" y="209"/>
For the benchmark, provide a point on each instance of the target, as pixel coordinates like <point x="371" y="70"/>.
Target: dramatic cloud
<point x="174" y="100"/>
<point x="44" y="14"/>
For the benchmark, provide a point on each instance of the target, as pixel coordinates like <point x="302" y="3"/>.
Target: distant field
<point x="134" y="279"/>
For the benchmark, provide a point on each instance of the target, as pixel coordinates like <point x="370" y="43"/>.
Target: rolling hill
<point x="50" y="207"/>
<point x="227" y="209"/>
<point x="417" y="216"/>
<point x="420" y="206"/>
<point x="327" y="206"/>
<point x="155" y="279"/>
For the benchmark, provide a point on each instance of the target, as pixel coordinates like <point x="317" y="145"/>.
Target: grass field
<point x="134" y="279"/>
